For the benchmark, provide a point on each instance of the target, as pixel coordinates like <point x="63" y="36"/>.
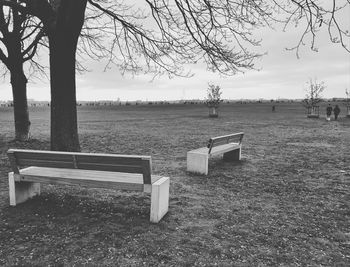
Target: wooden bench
<point x="110" y="171"/>
<point x="229" y="145"/>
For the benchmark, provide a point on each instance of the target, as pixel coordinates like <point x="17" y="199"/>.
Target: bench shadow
<point x="221" y="173"/>
<point x="217" y="164"/>
<point x="93" y="215"/>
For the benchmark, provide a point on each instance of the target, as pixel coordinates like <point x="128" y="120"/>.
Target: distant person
<point x="329" y="112"/>
<point x="273" y="108"/>
<point x="336" y="111"/>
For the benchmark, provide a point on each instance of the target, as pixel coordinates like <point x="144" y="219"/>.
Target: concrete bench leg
<point x="159" y="199"/>
<point x="21" y="191"/>
<point x="197" y="163"/>
<point x="232" y="155"/>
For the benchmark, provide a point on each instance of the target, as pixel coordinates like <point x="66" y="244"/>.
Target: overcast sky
<point x="281" y="75"/>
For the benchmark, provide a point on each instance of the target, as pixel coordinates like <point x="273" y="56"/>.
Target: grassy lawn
<point x="287" y="202"/>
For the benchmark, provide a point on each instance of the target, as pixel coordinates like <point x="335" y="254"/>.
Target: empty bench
<point x="30" y="168"/>
<point x="228" y="145"/>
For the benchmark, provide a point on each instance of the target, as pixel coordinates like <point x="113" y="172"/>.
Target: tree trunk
<point x="64" y="128"/>
<point x="213" y="111"/>
<point x="63" y="38"/>
<point x="18" y="79"/>
<point x="20" y="105"/>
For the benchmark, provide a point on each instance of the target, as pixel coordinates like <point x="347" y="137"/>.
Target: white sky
<point x="281" y="75"/>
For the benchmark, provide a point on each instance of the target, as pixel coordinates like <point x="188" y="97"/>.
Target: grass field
<point x="286" y="203"/>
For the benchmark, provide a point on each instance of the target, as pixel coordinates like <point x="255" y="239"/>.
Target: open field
<point x="286" y="203"/>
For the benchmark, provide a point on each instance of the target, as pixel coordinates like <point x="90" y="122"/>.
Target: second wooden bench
<point x="228" y="145"/>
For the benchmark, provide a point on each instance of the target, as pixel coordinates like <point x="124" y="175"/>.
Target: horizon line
<point x="182" y="100"/>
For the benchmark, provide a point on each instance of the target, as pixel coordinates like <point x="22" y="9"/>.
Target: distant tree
<point x="347" y="93"/>
<point x="161" y="40"/>
<point x="20" y="35"/>
<point x="214" y="93"/>
<point x="213" y="99"/>
<point x="313" y="93"/>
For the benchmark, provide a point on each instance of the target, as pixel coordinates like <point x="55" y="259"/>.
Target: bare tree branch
<point x="163" y="36"/>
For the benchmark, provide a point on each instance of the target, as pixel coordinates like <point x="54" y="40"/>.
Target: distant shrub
<point x="313" y="93"/>
<point x="213" y="96"/>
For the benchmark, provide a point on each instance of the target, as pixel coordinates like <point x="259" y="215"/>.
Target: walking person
<point x="336" y="111"/>
<point x="329" y="112"/>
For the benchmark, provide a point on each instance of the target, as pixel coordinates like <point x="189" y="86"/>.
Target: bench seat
<point x="98" y="179"/>
<point x="218" y="150"/>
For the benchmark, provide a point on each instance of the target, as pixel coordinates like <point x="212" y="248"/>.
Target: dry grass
<point x="286" y="203"/>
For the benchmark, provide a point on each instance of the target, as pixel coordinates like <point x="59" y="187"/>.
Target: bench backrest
<point x="87" y="161"/>
<point x="225" y="139"/>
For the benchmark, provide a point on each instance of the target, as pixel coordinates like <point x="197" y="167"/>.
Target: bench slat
<point x="99" y="179"/>
<point x="228" y="135"/>
<point x="108" y="160"/>
<point x="224" y="142"/>
<point x="223" y="148"/>
<point x="54" y="153"/>
<point x="44" y="163"/>
<point x="84" y="166"/>
<point x="38" y="155"/>
<point x="80" y="158"/>
<point x="100" y="175"/>
<point x="111" y="168"/>
<point x="216" y="150"/>
<point x="84" y="182"/>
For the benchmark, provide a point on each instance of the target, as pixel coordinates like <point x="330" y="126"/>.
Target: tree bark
<point x="63" y="38"/>
<point x="20" y="105"/>
<point x="19" y="38"/>
<point x="64" y="128"/>
<point x="18" y="80"/>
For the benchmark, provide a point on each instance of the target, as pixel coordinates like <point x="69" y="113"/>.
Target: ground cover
<point x="286" y="203"/>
